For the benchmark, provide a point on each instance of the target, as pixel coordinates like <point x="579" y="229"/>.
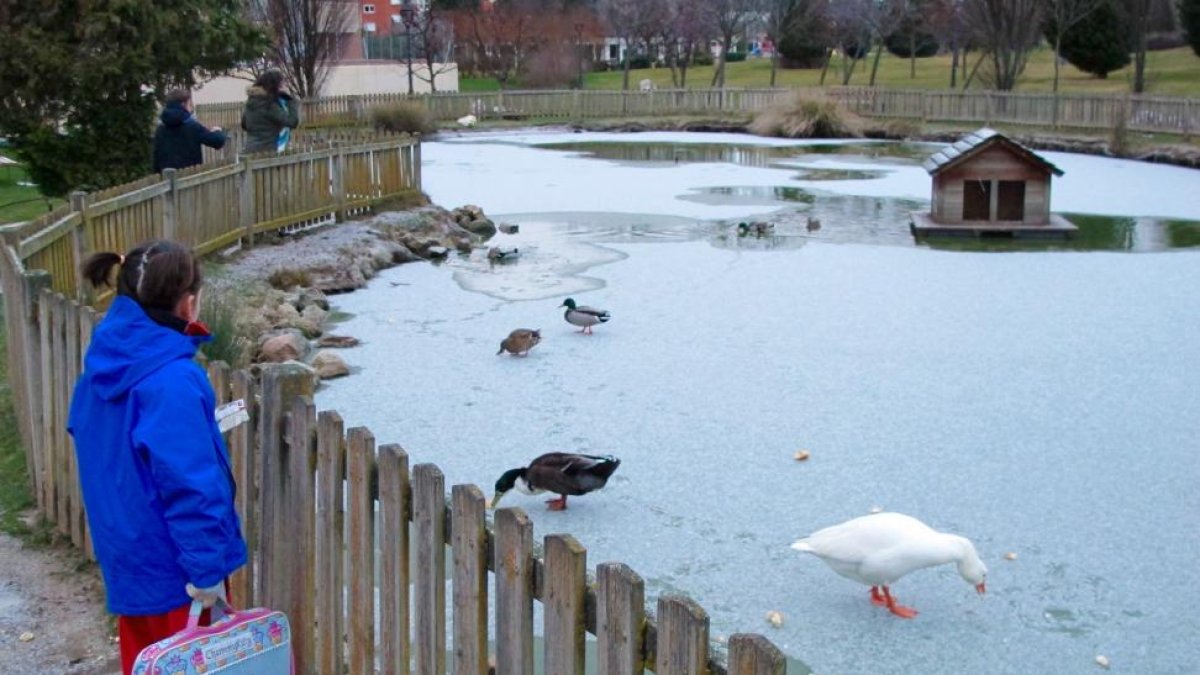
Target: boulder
<point x="287" y="345"/>
<point x="329" y="365"/>
<point x="337" y="341"/>
<point x="509" y="228"/>
<point x="311" y="297"/>
<point x="483" y="227"/>
<point x="315" y="314"/>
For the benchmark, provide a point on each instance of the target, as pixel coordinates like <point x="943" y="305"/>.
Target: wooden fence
<point x="333" y="522"/>
<point x="1076" y="111"/>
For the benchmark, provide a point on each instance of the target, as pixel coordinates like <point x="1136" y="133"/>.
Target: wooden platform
<point x="922" y="224"/>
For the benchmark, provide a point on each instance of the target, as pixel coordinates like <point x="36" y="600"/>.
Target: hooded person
<point x="153" y="467"/>
<point x="269" y="116"/>
<point x="179" y="135"/>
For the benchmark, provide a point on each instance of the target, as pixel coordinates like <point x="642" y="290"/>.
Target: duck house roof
<point x="973" y="143"/>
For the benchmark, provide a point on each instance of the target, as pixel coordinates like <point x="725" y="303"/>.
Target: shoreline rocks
<point x="288" y="323"/>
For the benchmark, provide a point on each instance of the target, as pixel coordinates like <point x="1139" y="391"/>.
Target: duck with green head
<point x="563" y="473"/>
<point x="583" y="316"/>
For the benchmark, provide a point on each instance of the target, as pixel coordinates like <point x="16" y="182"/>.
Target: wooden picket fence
<point x="333" y="522"/>
<point x="1075" y="111"/>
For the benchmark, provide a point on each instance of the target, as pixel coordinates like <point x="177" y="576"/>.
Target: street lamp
<point x="408" y="14"/>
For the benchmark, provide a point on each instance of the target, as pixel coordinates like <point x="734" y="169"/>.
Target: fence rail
<point x="1078" y="111"/>
<point x="334" y="522"/>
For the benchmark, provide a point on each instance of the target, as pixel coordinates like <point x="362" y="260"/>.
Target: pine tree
<point x="1189" y="16"/>
<point x="81" y="77"/>
<point x="1098" y="44"/>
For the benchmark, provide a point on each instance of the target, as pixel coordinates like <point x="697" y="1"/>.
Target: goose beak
<point x="981" y="588"/>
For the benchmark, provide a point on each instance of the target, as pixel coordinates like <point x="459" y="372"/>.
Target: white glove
<point x="207" y="596"/>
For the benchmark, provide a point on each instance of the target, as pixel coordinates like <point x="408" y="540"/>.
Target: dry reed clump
<point x="807" y="117"/>
<point x="287" y="278"/>
<point x="407" y="117"/>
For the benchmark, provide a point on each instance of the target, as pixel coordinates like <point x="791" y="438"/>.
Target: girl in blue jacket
<point x="155" y="474"/>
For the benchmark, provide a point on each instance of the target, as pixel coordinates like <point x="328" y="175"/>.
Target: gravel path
<point x="56" y="603"/>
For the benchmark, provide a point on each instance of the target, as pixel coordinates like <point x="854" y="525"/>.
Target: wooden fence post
<point x="281" y="384"/>
<point x="170" y="229"/>
<point x="33" y="285"/>
<point x="360" y="463"/>
<point x="394" y="500"/>
<point x="330" y="608"/>
<point x="620" y="618"/>
<point x="754" y="655"/>
<point x="429" y="517"/>
<point x="246" y="201"/>
<point x="682" y="637"/>
<point x="243" y="451"/>
<point x="338" y="180"/>
<point x="514" y="592"/>
<point x="566" y="579"/>
<point x="470" y="545"/>
<point x="80" y="243"/>
<point x="299" y="498"/>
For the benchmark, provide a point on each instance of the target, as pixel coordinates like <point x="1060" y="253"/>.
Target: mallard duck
<point x="497" y="254"/>
<point x="814" y="224"/>
<point x="583" y="316"/>
<point x="879" y="549"/>
<point x="560" y="472"/>
<point x="743" y="229"/>
<point x="520" y="341"/>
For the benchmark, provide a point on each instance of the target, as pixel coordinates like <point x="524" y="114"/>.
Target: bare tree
<point x="729" y="18"/>
<point x="685" y="31"/>
<point x="306" y="38"/>
<point x="623" y="21"/>
<point x="498" y="38"/>
<point x="433" y="43"/>
<point x="1137" y="15"/>
<point x="785" y="16"/>
<point x="1063" y="16"/>
<point x="883" y="17"/>
<point x="850" y="31"/>
<point x="946" y="19"/>
<point x="1006" y="31"/>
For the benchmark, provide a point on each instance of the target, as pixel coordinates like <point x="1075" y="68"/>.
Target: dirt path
<point x="49" y="595"/>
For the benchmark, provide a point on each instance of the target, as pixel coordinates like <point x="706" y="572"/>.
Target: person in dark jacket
<point x="153" y="468"/>
<point x="179" y="135"/>
<point x="270" y="115"/>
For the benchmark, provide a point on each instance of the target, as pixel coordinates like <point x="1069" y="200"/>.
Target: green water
<point x="669" y="154"/>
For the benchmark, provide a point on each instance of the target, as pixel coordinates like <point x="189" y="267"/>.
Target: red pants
<point x="138" y="632"/>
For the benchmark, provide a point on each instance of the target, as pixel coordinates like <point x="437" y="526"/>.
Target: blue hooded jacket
<point x="152" y="465"/>
<point x="178" y="138"/>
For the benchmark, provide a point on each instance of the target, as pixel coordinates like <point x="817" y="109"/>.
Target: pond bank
<point x="269" y="303"/>
<point x="1175" y="154"/>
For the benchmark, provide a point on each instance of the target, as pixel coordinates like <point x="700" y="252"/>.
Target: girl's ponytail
<point x="98" y="268"/>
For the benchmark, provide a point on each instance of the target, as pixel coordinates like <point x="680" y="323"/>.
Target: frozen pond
<point x="1040" y="402"/>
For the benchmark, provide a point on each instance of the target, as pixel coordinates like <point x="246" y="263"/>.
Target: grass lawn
<point x="18" y="202"/>
<point x="1174" y="72"/>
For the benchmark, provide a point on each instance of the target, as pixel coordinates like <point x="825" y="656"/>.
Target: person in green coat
<point x="270" y="115"/>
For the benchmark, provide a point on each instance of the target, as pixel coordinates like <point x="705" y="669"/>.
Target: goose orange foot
<point x="896" y="608"/>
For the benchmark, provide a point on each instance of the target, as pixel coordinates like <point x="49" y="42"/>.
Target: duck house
<point x="986" y="184"/>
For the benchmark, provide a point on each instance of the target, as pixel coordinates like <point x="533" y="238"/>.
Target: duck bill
<point x="981" y="588"/>
<point x="495" y="500"/>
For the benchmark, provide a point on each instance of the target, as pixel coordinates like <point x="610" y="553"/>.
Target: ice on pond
<point x="1040" y="403"/>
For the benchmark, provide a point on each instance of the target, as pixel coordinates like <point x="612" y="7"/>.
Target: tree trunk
<point x="1139" y="65"/>
<point x="683" y="75"/>
<point x="825" y="68"/>
<point x="875" y="66"/>
<point x="774" y="66"/>
<point x="912" y="55"/>
<point x="953" y="66"/>
<point x="625" y="75"/>
<point x="1057" y="47"/>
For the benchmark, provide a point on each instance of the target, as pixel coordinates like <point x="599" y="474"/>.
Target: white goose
<point x="878" y="549"/>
